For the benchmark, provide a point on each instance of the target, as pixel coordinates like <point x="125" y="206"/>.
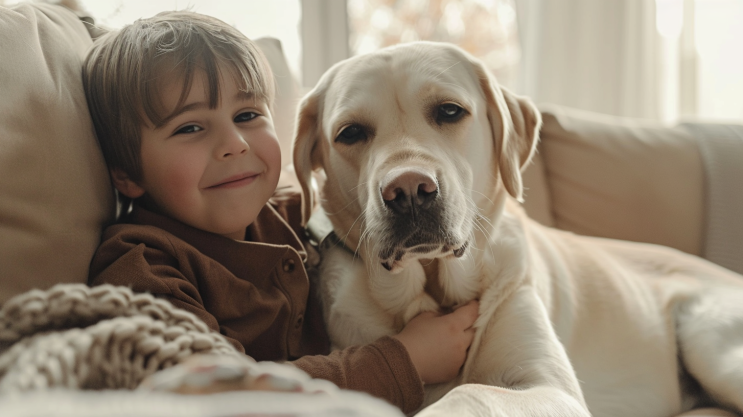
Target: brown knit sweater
<point x="255" y="292"/>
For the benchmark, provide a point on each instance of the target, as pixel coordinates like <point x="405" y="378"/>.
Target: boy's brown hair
<point x="125" y="70"/>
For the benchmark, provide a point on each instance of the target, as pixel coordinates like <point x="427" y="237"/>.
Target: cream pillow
<point x="55" y="195"/>
<point x="623" y="178"/>
<point x="287" y="96"/>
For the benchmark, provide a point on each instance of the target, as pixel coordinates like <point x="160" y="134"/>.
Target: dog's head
<point x="418" y="143"/>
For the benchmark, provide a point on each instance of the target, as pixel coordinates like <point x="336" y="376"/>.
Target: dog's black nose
<point x="407" y="190"/>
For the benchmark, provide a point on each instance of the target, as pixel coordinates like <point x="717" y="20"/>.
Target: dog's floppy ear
<point x="306" y="149"/>
<point x="515" y="123"/>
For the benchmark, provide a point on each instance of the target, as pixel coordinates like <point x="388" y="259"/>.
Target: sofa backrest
<point x="55" y="194"/>
<point x="617" y="177"/>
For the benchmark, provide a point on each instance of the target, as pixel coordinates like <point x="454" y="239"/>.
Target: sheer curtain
<point x="599" y="55"/>
<point x="657" y="59"/>
<point x="485" y="28"/>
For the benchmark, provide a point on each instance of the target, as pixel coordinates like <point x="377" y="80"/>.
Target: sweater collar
<point x="268" y="230"/>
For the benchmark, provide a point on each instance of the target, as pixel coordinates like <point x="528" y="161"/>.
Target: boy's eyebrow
<point x="240" y="96"/>
<point x="188" y="107"/>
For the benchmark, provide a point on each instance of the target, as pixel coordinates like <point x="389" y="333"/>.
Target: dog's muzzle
<point x="414" y="218"/>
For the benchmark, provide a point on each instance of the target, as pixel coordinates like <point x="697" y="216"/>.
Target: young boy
<point x="181" y="106"/>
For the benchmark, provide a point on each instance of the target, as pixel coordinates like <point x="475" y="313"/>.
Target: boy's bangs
<point x="250" y="71"/>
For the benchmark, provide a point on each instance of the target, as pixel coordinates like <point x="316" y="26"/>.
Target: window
<point x="485" y="28"/>
<point x="717" y="33"/>
<point x="702" y="60"/>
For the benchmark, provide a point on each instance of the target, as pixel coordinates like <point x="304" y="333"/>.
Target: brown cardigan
<point x="255" y="292"/>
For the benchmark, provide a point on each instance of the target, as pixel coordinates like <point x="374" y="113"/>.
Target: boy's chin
<point x="238" y="224"/>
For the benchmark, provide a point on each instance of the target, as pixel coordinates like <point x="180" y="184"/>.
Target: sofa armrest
<point x="721" y="147"/>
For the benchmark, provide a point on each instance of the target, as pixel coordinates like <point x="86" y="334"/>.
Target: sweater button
<point x="288" y="266"/>
<point x="298" y="323"/>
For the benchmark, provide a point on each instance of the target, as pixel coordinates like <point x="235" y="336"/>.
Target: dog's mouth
<point x="394" y="259"/>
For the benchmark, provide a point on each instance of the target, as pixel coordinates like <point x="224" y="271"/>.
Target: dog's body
<point x="422" y="152"/>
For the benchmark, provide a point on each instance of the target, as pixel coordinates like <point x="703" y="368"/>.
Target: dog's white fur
<point x="568" y="324"/>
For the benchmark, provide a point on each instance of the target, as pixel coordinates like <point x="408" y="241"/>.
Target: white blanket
<point x="64" y="403"/>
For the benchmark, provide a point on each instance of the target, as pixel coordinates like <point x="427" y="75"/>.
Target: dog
<point x="422" y="154"/>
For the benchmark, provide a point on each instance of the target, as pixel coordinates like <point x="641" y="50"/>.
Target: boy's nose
<point x="233" y="143"/>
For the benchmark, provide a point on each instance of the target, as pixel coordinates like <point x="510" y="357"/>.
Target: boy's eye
<point x="244" y="117"/>
<point x="188" y="129"/>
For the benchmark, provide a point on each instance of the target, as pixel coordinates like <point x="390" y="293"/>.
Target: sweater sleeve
<point x="382" y="369"/>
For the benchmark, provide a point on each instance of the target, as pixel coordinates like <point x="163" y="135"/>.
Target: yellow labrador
<point x="423" y="151"/>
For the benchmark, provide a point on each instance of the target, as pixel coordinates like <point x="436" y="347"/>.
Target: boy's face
<point x="213" y="169"/>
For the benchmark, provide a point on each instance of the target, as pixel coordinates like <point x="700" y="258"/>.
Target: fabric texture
<point x="68" y="403"/>
<point x="56" y="195"/>
<point x="623" y="178"/>
<point x="73" y="336"/>
<point x="257" y="293"/>
<point x="600" y="56"/>
<point x="721" y="146"/>
<point x="70" y="337"/>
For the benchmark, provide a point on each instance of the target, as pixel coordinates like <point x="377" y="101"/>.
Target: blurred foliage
<point x="485" y="28"/>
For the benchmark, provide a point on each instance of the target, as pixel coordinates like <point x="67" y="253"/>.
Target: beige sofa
<point x="593" y="174"/>
<point x="678" y="186"/>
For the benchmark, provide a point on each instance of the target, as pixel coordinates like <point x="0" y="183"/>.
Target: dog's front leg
<point x="517" y="367"/>
<point x="351" y="315"/>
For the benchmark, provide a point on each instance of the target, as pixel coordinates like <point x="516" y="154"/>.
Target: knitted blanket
<point x="106" y="337"/>
<point x="72" y="337"/>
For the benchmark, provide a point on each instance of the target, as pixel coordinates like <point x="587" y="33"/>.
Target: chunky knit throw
<point x="106" y="337"/>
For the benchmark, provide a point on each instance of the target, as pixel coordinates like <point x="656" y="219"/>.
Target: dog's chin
<point x="406" y="256"/>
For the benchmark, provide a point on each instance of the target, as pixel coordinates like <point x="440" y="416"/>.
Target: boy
<point x="181" y="106"/>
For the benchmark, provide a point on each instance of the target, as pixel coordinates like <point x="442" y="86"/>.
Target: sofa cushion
<point x="287" y="96"/>
<point x="55" y="194"/>
<point x="537" y="202"/>
<point x="623" y="178"/>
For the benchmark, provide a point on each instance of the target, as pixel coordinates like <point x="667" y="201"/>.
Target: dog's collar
<point x="320" y="232"/>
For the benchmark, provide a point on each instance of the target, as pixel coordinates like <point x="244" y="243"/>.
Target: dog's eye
<point x="449" y="113"/>
<point x="351" y="134"/>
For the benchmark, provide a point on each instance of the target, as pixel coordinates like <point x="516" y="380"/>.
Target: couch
<point x="674" y="185"/>
<point x="593" y="174"/>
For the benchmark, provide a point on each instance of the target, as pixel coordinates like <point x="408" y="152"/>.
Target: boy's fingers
<point x="474" y="304"/>
<point x="469" y="310"/>
<point x="466" y="314"/>
<point x="429" y="314"/>
<point x="471" y="333"/>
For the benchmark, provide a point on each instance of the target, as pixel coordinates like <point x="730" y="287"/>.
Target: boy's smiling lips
<point x="238" y="180"/>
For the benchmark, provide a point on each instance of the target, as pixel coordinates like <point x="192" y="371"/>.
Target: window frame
<point x="324" y="37"/>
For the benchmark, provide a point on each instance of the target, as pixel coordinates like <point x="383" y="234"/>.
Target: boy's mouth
<point x="235" y="181"/>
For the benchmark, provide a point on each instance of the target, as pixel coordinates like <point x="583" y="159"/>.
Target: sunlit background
<point x="656" y="59"/>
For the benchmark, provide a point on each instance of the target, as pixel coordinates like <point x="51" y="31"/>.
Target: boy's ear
<point x="126" y="185"/>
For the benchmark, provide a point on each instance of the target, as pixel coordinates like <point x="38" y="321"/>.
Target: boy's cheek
<point x="273" y="153"/>
<point x="179" y="185"/>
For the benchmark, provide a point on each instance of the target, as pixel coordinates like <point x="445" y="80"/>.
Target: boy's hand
<point x="437" y="344"/>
